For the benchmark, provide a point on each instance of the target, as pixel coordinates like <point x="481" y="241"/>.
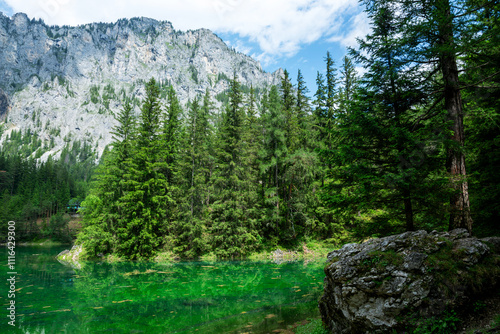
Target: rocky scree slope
<point x="65" y="83"/>
<point x="400" y="282"/>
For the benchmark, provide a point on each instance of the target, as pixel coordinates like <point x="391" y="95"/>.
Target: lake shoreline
<point x="77" y="253"/>
<point x="45" y="243"/>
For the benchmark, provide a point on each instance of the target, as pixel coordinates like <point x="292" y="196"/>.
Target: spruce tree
<point x="144" y="205"/>
<point x="320" y="111"/>
<point x="383" y="159"/>
<point x="481" y="78"/>
<point x="171" y="134"/>
<point x="455" y="164"/>
<point x="192" y="222"/>
<point x="435" y="35"/>
<point x="253" y="137"/>
<point x="234" y="232"/>
<point x="348" y="85"/>
<point x="303" y="107"/>
<point x="206" y="131"/>
<point x="102" y="207"/>
<point x="273" y="158"/>
<point x="331" y="96"/>
<point x="290" y="112"/>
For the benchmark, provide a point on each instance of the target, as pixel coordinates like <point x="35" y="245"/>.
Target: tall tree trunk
<point x="460" y="216"/>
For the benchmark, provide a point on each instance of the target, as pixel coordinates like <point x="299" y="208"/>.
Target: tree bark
<point x="460" y="216"/>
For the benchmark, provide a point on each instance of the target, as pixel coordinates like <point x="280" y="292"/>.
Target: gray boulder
<point x="388" y="284"/>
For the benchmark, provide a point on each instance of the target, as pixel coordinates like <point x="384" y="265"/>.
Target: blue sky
<point x="291" y="34"/>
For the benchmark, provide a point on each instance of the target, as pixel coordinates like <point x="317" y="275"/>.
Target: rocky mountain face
<point x="65" y="83"/>
<point x="392" y="284"/>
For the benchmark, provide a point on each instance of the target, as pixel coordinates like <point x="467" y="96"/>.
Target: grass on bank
<point x="314" y="326"/>
<point x="304" y="251"/>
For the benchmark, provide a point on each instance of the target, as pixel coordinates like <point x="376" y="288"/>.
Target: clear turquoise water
<point x="186" y="297"/>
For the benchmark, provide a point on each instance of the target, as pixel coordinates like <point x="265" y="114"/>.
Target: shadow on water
<point x="186" y="297"/>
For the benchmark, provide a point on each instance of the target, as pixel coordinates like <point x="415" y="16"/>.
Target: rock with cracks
<point x="393" y="283"/>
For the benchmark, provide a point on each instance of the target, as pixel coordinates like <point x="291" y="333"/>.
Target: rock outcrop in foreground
<point x="394" y="283"/>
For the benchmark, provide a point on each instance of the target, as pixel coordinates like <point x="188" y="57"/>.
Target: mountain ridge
<point x="64" y="83"/>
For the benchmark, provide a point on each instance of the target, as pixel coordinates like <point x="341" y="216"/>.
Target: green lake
<point x="184" y="297"/>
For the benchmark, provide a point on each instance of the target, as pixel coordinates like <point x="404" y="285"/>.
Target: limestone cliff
<point x="65" y="83"/>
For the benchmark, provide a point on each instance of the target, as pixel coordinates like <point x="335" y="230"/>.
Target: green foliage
<point x="482" y="123"/>
<point x="30" y="190"/>
<point x="234" y="230"/>
<point x="304" y="113"/>
<point x="446" y="323"/>
<point x="129" y="210"/>
<point x="95" y="96"/>
<point x="369" y="156"/>
<point x="23" y="143"/>
<point x="290" y="113"/>
<point x="315" y="326"/>
<point x="479" y="306"/>
<point x="148" y="195"/>
<point x="381" y="260"/>
<point x="222" y="97"/>
<point x="102" y="205"/>
<point x="496" y="321"/>
<point x="108" y="94"/>
<point x="57" y="228"/>
<point x="194" y="73"/>
<point x="195" y="168"/>
<point x="451" y="274"/>
<point x="386" y="153"/>
<point x="223" y="76"/>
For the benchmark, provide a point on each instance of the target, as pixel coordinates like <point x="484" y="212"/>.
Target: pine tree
<point x="320" y="111"/>
<point x="144" y="205"/>
<point x="435" y="35"/>
<point x="348" y="81"/>
<point x="191" y="230"/>
<point x="234" y="232"/>
<point x="273" y="157"/>
<point x="253" y="136"/>
<point x="171" y="134"/>
<point x="303" y="112"/>
<point x="482" y="112"/>
<point x="291" y="121"/>
<point x="382" y="158"/>
<point x="102" y="207"/>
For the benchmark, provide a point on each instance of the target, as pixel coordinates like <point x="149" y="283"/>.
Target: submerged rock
<point x="388" y="284"/>
<point x="278" y="256"/>
<point x="71" y="257"/>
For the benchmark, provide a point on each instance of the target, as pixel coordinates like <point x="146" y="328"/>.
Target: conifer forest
<point x="403" y="134"/>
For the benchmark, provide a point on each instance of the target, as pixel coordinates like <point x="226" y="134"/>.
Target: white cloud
<point x="280" y="27"/>
<point x="358" y="27"/>
<point x="265" y="59"/>
<point x="239" y="46"/>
